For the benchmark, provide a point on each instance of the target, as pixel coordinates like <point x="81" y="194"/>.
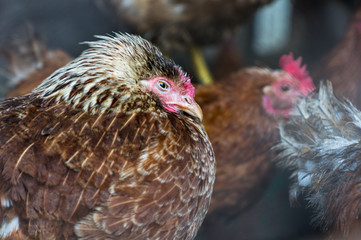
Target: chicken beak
<point x="191" y="107"/>
<point x="174" y="102"/>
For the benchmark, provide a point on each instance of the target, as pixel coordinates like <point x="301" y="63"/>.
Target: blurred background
<point x="308" y="28"/>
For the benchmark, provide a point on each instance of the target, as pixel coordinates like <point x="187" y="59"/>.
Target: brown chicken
<point x="239" y="117"/>
<point x="108" y="147"/>
<point x="179" y="23"/>
<point x="29" y="63"/>
<point x="342" y="66"/>
<point x="321" y="146"/>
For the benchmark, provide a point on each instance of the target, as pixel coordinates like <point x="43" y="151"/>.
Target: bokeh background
<point x="308" y="28"/>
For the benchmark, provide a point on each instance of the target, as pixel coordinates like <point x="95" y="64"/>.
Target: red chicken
<point x="343" y="64"/>
<point x="239" y="117"/>
<point x="321" y="146"/>
<point x="108" y="147"/>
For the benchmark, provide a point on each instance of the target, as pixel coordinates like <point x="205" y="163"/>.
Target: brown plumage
<point x="236" y="123"/>
<point x="174" y="24"/>
<point x="92" y="153"/>
<point x="342" y="65"/>
<point x="242" y="128"/>
<point x="30" y="59"/>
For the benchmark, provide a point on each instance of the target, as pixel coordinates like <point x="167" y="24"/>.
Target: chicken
<point x="240" y="113"/>
<point x="30" y="62"/>
<point x="182" y="24"/>
<point x="321" y="146"/>
<point x="109" y="146"/>
<point x="342" y="64"/>
<point x="231" y="105"/>
<point x="177" y="23"/>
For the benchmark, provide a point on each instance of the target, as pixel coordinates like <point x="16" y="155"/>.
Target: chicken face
<point x="174" y="98"/>
<point x="281" y="96"/>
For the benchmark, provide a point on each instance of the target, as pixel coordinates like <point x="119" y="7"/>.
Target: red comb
<point x="293" y="67"/>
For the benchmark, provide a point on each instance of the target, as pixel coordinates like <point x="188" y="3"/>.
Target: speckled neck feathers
<point x="106" y="76"/>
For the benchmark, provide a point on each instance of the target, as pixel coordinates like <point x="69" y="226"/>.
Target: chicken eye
<point x="163" y="85"/>
<point x="285" y="88"/>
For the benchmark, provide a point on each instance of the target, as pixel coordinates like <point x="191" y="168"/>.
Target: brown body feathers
<point x="240" y="115"/>
<point x="90" y="154"/>
<point x="236" y="123"/>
